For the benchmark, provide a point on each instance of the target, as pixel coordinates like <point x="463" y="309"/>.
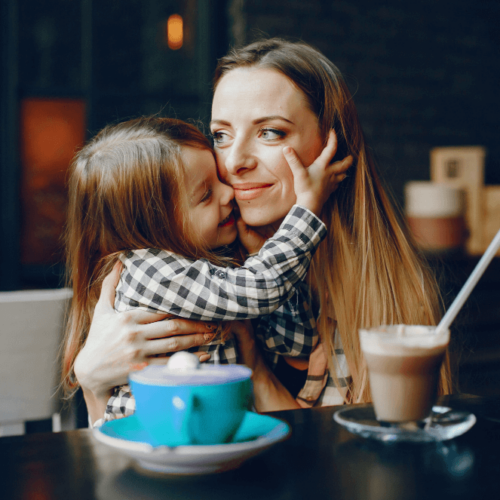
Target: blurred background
<point x="423" y="74"/>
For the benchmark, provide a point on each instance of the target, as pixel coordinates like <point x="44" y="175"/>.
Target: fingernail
<point x="287" y="150"/>
<point x="138" y="366"/>
<point x="208" y="337"/>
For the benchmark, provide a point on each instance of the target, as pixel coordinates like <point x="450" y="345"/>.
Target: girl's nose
<point x="227" y="194"/>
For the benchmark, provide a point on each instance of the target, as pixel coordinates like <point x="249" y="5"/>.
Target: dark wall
<point x="113" y="57"/>
<point x="423" y="74"/>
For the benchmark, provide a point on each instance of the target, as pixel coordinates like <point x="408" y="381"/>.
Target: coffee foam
<point x="401" y="340"/>
<point x="204" y="375"/>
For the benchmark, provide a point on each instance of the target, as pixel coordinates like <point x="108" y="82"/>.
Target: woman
<point x="268" y="95"/>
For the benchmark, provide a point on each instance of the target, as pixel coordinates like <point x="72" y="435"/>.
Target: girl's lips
<point x="228" y="221"/>
<point x="250" y="192"/>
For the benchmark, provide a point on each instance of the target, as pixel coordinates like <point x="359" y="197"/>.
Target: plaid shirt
<point x="268" y="286"/>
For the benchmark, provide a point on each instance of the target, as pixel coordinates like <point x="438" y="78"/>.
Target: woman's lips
<point x="249" y="191"/>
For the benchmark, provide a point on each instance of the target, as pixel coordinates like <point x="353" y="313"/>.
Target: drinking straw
<point x="464" y="293"/>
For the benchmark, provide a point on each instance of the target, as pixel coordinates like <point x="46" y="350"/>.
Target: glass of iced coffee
<point x="404" y="362"/>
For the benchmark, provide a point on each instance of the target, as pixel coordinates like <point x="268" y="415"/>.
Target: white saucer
<point x="443" y="424"/>
<point x="256" y="434"/>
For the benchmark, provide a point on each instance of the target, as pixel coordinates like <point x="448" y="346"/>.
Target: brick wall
<point x="424" y="73"/>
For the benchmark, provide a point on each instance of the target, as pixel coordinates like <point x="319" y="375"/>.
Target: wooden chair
<point x="31" y="327"/>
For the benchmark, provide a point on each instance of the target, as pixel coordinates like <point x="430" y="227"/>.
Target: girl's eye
<point x="206" y="196"/>
<point x="218" y="137"/>
<point x="270" y="134"/>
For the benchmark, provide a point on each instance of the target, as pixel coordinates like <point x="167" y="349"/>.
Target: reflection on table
<point x="320" y="460"/>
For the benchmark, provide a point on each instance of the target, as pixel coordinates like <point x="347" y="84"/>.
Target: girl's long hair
<point x="367" y="272"/>
<point x="125" y="192"/>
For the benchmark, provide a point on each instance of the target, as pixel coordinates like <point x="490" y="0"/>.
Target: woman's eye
<point x="218" y="137"/>
<point x="270" y="134"/>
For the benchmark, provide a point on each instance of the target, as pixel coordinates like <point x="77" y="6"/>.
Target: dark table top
<point x="320" y="460"/>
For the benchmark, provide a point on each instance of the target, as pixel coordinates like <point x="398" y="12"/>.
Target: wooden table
<point x="320" y="460"/>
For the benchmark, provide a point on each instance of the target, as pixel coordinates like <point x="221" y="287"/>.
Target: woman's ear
<point x="342" y="150"/>
<point x="332" y="134"/>
<point x="331" y="131"/>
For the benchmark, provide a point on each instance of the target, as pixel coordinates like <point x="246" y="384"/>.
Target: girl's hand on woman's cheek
<point x="314" y="184"/>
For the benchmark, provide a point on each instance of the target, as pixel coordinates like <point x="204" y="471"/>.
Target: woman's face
<point x="255" y="113"/>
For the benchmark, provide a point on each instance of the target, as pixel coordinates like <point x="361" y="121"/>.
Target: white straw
<point x="464" y="293"/>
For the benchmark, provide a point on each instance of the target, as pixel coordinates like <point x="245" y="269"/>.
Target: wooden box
<point x="463" y="167"/>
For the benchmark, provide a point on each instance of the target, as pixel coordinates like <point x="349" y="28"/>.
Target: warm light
<point x="175" y="33"/>
<point x="51" y="130"/>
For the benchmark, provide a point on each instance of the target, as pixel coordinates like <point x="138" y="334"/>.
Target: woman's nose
<point x="239" y="159"/>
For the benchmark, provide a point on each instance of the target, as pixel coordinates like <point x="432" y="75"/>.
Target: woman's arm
<point x="270" y="394"/>
<point x="120" y="343"/>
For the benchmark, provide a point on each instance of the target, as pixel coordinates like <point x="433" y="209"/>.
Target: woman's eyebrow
<point x="220" y="122"/>
<point x="271" y="117"/>
<point x="255" y="122"/>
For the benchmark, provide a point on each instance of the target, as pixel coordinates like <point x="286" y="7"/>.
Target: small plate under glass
<point x="443" y="424"/>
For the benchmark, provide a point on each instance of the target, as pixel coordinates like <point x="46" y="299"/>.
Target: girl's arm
<point x="159" y="280"/>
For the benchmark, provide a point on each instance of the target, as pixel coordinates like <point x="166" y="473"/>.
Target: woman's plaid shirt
<point x="268" y="286"/>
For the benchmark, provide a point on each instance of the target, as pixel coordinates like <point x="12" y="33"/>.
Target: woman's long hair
<point x="125" y="192"/>
<point x="367" y="272"/>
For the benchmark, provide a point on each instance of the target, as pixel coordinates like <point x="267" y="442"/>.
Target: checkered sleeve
<point x="158" y="280"/>
<point x="120" y="404"/>
<point x="291" y="329"/>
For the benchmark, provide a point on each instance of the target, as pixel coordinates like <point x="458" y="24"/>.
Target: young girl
<point x="147" y="192"/>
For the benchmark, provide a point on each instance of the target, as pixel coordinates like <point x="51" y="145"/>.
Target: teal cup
<point x="193" y="406"/>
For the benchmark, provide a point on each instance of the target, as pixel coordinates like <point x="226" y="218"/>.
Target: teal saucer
<point x="129" y="428"/>
<point x="256" y="434"/>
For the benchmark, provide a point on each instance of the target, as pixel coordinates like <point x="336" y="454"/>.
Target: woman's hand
<point x="269" y="393"/>
<point x="314" y="184"/>
<point x="119" y="343"/>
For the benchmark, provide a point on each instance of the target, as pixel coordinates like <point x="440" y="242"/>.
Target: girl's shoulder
<point x="147" y="259"/>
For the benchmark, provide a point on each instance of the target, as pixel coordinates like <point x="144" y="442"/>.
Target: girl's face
<point x="209" y="201"/>
<point x="255" y="113"/>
